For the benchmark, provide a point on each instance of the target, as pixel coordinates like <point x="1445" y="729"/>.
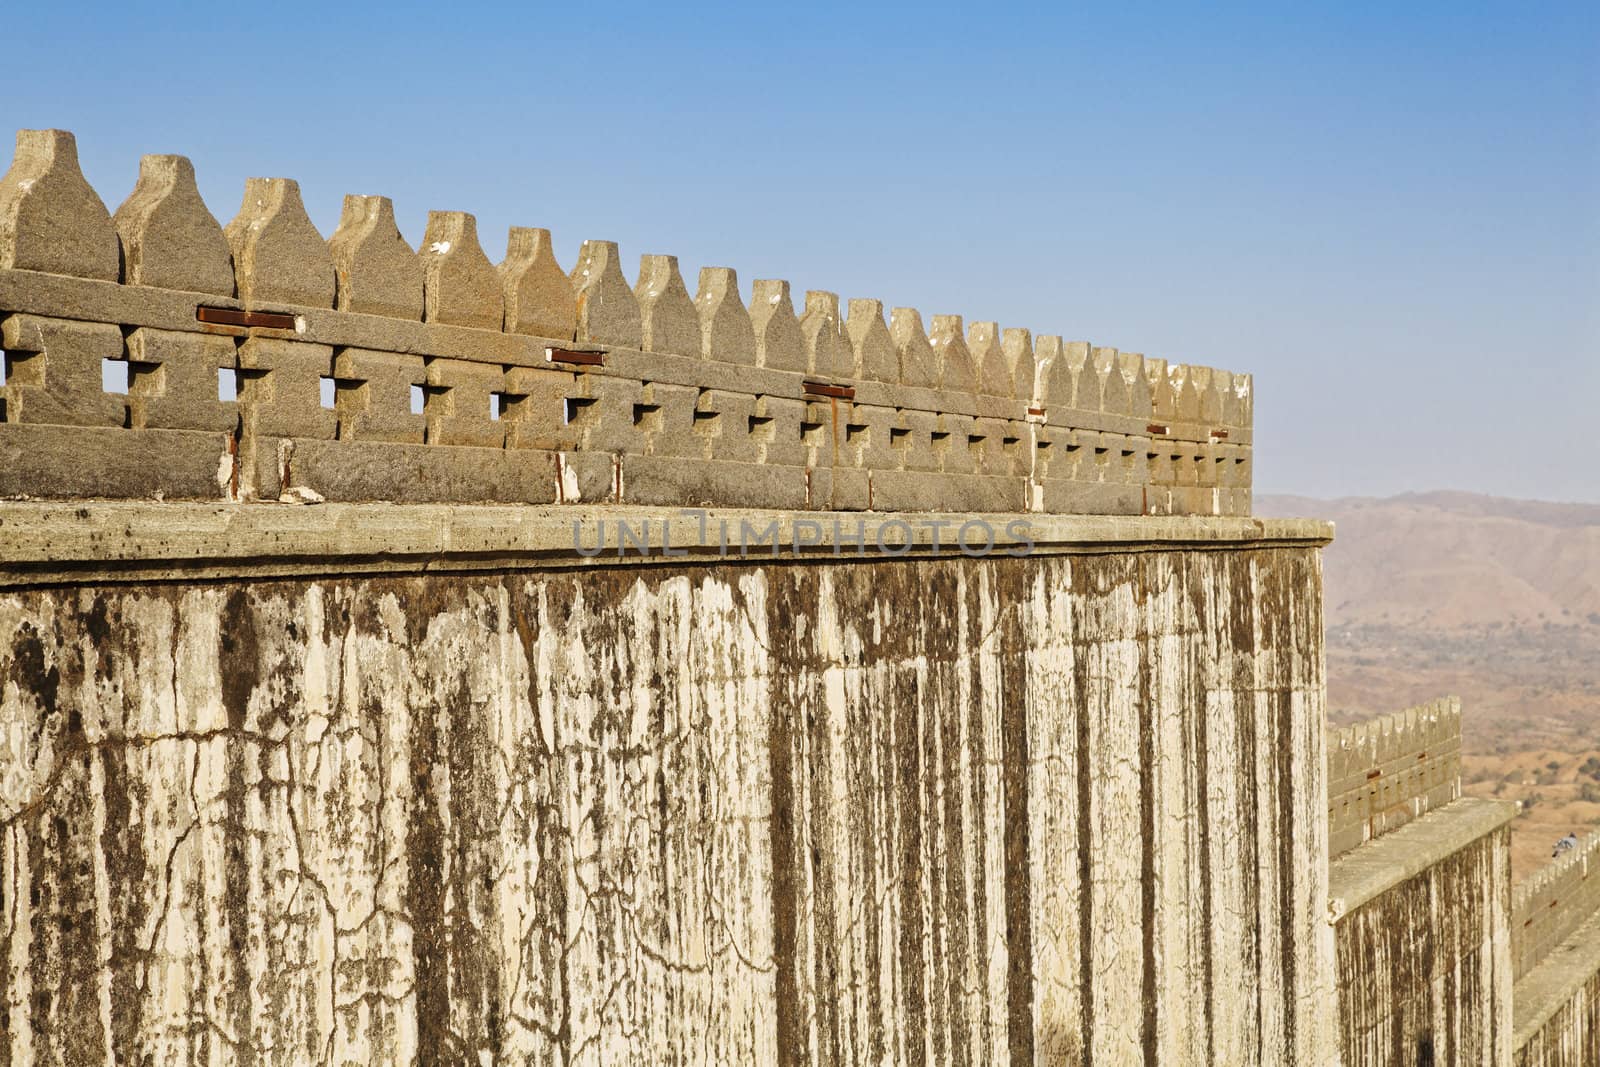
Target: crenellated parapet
<point x="261" y="360"/>
<point x="1553" y="902"/>
<point x="1386" y="772"/>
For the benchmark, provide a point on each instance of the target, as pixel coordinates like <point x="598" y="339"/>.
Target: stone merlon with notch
<point x="986" y="419"/>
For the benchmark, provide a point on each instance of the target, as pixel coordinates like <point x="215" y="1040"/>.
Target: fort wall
<point x="401" y="783"/>
<point x="262" y="361"/>
<point x="1388" y="771"/>
<point x="1556" y="952"/>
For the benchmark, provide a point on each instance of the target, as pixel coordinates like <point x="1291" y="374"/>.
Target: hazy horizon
<point x="1390" y="216"/>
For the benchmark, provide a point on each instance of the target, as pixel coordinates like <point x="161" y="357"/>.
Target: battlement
<point x="264" y="362"/>
<point x="1554" y="901"/>
<point x="1384" y="773"/>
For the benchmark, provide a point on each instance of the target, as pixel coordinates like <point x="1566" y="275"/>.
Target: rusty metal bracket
<point x="836" y="392"/>
<point x="265" y="320"/>
<point x="569" y="355"/>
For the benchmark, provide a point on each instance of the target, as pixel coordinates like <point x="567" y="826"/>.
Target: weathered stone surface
<point x="1384" y="773"/>
<point x="51" y="219"/>
<point x="827" y="349"/>
<point x="983" y="342"/>
<point x="901" y="812"/>
<point x="957" y="373"/>
<point x="779" y="343"/>
<point x="918" y="366"/>
<point x="539" y="298"/>
<point x="460" y="285"/>
<point x="608" y="312"/>
<point x="1047" y="353"/>
<point x="1113" y="391"/>
<point x="1423" y="941"/>
<point x="374" y="397"/>
<point x="174" y="384"/>
<point x="278" y="255"/>
<point x="727" y="333"/>
<point x="375" y="269"/>
<point x="1016" y="351"/>
<point x="169" y="237"/>
<point x="54" y="371"/>
<point x="1558" y="1004"/>
<point x="669" y="322"/>
<point x="876" y="359"/>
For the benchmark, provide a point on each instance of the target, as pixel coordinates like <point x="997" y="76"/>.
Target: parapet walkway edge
<point x="45" y="543"/>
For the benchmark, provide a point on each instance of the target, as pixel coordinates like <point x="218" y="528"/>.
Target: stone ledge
<point x="1374" y="868"/>
<point x="50" y="543"/>
<point x="1542" y="992"/>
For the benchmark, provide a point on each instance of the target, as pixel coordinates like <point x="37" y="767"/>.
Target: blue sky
<point x="1389" y="213"/>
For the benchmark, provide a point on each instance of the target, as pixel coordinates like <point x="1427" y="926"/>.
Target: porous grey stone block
<point x="460" y="285"/>
<point x="1113" y="386"/>
<point x="983" y="342"/>
<point x="280" y="389"/>
<point x="56" y="371"/>
<point x="828" y="353"/>
<point x="727" y="333"/>
<point x="51" y="219"/>
<point x="169" y="237"/>
<point x="278" y="255"/>
<point x="539" y="298"/>
<point x="919" y="367"/>
<point x="375" y="269"/>
<point x="368" y="471"/>
<point x="1047" y="356"/>
<point x="459" y="408"/>
<point x="82" y="462"/>
<point x="175" y="386"/>
<point x="668" y="320"/>
<point x="779" y="343"/>
<point x="545" y="417"/>
<point x="374" y="394"/>
<point x="957" y="374"/>
<point x="1016" y="346"/>
<point x="723" y="422"/>
<point x="876" y="359"/>
<point x="607" y="310"/>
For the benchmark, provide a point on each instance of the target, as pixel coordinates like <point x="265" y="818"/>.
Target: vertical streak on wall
<point x="1268" y="599"/>
<point x="943" y="811"/>
<point x="1107" y="661"/>
<point x="1016" y="758"/>
<point x="1232" y="799"/>
<point x="994" y="616"/>
<point x="1305" y="820"/>
<point x="1175" y="1009"/>
<point x="1297" y="948"/>
<point x="1053" y="818"/>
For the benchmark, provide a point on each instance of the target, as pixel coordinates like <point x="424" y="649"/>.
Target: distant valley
<point x="1492" y="599"/>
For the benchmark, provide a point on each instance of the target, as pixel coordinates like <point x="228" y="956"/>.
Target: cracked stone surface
<point x="942" y="811"/>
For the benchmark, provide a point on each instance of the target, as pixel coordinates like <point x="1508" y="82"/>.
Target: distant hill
<point x="1494" y="600"/>
<point x="1449" y="560"/>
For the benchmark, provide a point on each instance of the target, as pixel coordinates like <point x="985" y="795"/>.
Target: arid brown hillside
<point x="1453" y="560"/>
<point x="1495" y="600"/>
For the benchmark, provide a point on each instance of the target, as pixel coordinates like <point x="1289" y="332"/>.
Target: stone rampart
<point x="1422" y="940"/>
<point x="1554" y="901"/>
<point x="261" y="361"/>
<point x="418" y="784"/>
<point x="1555" y="937"/>
<point x="1386" y="772"/>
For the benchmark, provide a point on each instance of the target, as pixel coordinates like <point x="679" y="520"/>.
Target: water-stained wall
<point x="1569" y="1036"/>
<point x="1424" y="953"/>
<point x="949" y="810"/>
